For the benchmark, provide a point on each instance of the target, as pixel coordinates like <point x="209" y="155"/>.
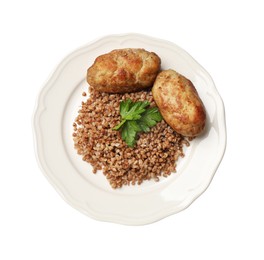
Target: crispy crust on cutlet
<point x="124" y="70"/>
<point x="179" y="103"/>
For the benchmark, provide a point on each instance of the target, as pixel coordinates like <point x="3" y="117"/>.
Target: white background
<point x="225" y="37"/>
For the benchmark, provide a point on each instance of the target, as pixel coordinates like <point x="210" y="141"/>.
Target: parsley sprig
<point x="136" y="117"/>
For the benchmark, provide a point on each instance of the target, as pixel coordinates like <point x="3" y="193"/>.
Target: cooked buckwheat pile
<point x="154" y="155"/>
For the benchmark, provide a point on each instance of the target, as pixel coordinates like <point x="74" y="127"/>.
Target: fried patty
<point x="179" y="103"/>
<point x="124" y="70"/>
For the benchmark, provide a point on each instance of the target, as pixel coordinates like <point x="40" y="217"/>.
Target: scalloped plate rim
<point x="40" y="108"/>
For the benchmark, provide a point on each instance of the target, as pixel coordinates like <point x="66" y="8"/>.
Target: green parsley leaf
<point x="131" y="110"/>
<point x="129" y="133"/>
<point x="124" y="107"/>
<point x="117" y="127"/>
<point x="136" y="117"/>
<point x="149" y="119"/>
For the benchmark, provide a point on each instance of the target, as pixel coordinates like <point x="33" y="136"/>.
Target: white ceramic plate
<point x="91" y="194"/>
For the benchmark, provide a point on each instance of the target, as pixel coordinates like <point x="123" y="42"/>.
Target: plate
<point x="57" y="107"/>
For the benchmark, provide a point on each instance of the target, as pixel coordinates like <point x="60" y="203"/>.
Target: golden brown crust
<point x="179" y="103"/>
<point x="124" y="70"/>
